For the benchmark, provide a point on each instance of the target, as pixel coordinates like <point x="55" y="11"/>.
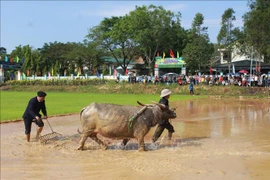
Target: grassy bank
<point x="68" y="99"/>
<point x="13" y="103"/>
<point x="126" y="88"/>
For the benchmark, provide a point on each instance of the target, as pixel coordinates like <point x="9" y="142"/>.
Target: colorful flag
<point x="233" y="69"/>
<point x="163" y="55"/>
<point x="17" y="59"/>
<point x="177" y="54"/>
<point x="23" y="76"/>
<point x="52" y="71"/>
<point x="6" y="58"/>
<point x="98" y="75"/>
<point x="110" y="68"/>
<point x="10" y="59"/>
<point x="171" y="54"/>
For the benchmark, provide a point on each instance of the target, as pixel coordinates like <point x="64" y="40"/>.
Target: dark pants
<point x="165" y="125"/>
<point x="28" y="124"/>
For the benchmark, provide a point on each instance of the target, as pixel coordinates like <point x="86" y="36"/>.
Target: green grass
<point x="13" y="103"/>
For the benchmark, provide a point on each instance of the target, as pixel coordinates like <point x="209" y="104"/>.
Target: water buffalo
<point x="114" y="121"/>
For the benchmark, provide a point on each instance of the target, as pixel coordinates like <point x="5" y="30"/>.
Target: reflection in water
<point x="220" y="118"/>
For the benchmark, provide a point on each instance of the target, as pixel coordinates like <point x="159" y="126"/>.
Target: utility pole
<point x="251" y="58"/>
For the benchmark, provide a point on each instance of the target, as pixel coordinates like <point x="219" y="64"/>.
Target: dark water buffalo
<point x="113" y="121"/>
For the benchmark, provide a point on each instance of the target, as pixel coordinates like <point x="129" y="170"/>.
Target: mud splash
<point x="214" y="139"/>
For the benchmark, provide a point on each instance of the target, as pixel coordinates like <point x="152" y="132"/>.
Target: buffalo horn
<point x="161" y="105"/>
<point x="148" y="105"/>
<point x="141" y="104"/>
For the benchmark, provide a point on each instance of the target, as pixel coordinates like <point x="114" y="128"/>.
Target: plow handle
<point x="49" y="124"/>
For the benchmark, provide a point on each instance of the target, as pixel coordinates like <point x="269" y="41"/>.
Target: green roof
<point x="113" y="60"/>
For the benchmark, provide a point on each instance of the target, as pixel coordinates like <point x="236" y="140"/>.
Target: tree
<point x="112" y="35"/>
<point x="226" y="37"/>
<point x="124" y="46"/>
<point x="215" y="58"/>
<point x="92" y="55"/>
<point x="3" y="51"/>
<point x="18" y="52"/>
<point x="32" y="59"/>
<point x="155" y="29"/>
<point x="179" y="37"/>
<point x="54" y="56"/>
<point x="257" y="28"/>
<point x="27" y="55"/>
<point x="198" y="52"/>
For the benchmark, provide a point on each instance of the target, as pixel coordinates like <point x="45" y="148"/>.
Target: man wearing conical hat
<point x="165" y="95"/>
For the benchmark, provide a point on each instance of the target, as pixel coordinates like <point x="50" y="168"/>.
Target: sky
<point x="39" y="22"/>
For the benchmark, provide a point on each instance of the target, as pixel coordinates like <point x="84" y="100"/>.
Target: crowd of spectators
<point x="224" y="80"/>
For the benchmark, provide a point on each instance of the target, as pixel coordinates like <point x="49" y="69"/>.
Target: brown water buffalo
<point x="114" y="121"/>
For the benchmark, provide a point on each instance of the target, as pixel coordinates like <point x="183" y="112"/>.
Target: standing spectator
<point x="266" y="80"/>
<point x="179" y="80"/>
<point x="156" y="79"/>
<point x="191" y="92"/>
<point x="256" y="80"/>
<point x="165" y="79"/>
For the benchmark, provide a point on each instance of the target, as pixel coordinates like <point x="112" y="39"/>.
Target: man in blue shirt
<point x="191" y="92"/>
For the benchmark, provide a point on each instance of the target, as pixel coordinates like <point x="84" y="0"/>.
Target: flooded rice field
<point x="213" y="139"/>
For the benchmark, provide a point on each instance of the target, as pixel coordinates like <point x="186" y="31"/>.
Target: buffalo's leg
<point x="84" y="137"/>
<point x="140" y="137"/>
<point x="82" y="141"/>
<point x="141" y="143"/>
<point x="97" y="140"/>
<point x="125" y="141"/>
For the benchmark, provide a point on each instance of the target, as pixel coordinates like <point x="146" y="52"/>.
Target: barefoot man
<point x="31" y="114"/>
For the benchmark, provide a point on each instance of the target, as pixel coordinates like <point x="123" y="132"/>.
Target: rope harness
<point x="130" y="122"/>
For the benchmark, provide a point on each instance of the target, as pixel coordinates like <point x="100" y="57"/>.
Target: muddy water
<point x="213" y="139"/>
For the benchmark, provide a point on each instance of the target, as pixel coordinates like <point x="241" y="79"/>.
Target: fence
<point x="72" y="77"/>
